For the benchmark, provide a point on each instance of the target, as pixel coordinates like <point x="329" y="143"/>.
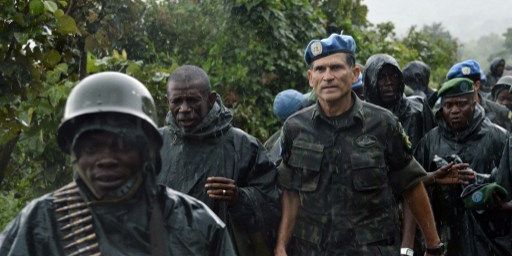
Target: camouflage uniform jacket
<point x="480" y="145"/>
<point x="345" y="171"/>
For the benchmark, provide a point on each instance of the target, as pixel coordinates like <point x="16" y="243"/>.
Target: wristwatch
<point x="407" y="251"/>
<point x="438" y="250"/>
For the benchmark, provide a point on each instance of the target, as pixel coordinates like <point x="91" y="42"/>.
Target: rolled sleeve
<point x="407" y="177"/>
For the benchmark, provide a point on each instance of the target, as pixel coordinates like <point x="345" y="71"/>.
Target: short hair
<point x="190" y="74"/>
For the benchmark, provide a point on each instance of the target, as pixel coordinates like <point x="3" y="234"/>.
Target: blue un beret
<point x="288" y="102"/>
<point x="467" y="68"/>
<point x="335" y="43"/>
<point x="359" y="82"/>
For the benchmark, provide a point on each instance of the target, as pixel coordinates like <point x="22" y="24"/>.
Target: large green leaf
<point x="51" y="58"/>
<point x="66" y="25"/>
<point x="36" y="7"/>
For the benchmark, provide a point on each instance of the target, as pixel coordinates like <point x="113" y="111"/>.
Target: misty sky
<point x="465" y="19"/>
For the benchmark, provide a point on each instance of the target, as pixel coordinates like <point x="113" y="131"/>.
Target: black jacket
<point x="123" y="228"/>
<point x="216" y="148"/>
<point x="480" y="145"/>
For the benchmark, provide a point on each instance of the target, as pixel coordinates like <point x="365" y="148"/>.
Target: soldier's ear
<point x="309" y="74"/>
<point x="356" y="71"/>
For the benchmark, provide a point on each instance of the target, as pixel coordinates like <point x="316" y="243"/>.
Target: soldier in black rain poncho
<point x="464" y="131"/>
<point x="384" y="86"/>
<point x="497" y="113"/>
<point x="496" y="69"/>
<point x="113" y="206"/>
<point x="417" y="76"/>
<point x="204" y="156"/>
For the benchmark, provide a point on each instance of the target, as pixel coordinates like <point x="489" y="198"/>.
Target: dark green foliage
<point x="251" y="50"/>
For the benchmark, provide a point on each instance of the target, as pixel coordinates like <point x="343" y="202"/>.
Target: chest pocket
<point x="306" y="158"/>
<point x="367" y="172"/>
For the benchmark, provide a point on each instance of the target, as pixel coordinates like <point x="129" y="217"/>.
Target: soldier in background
<point x="113" y="205"/>
<point x="286" y="103"/>
<point x="496" y="69"/>
<point x="417" y="76"/>
<point x="470" y="69"/>
<point x="501" y="92"/>
<point x="471" y="146"/>
<point x="384" y="86"/>
<point x="204" y="156"/>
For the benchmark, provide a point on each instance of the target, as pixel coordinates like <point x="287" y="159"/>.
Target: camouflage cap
<point x="481" y="196"/>
<point x="456" y="87"/>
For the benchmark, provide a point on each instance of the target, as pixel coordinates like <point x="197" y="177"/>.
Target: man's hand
<point x="453" y="174"/>
<point x="220" y="188"/>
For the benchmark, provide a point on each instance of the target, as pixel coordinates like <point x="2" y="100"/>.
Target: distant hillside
<point x="485" y="49"/>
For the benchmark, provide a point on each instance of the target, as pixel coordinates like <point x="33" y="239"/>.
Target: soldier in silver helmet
<point x="113" y="205"/>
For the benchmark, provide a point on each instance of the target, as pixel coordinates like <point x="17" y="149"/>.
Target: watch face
<point x="406" y="251"/>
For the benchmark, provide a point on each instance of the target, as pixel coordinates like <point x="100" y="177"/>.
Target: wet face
<point x="106" y="160"/>
<point x="189" y="104"/>
<point x="504" y="98"/>
<point x="331" y="78"/>
<point x="458" y="111"/>
<point x="388" y="81"/>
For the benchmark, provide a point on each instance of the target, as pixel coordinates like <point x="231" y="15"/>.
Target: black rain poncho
<point x="413" y="112"/>
<point x="122" y="228"/>
<point x="465" y="232"/>
<point x="216" y="148"/>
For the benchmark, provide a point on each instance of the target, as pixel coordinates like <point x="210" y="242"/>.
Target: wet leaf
<point x="51" y="58"/>
<point x="21" y="37"/>
<point x="90" y="43"/>
<point x="59" y="13"/>
<point x="36" y="7"/>
<point x="50" y="6"/>
<point x="25" y="117"/>
<point x="133" y="68"/>
<point x="66" y="25"/>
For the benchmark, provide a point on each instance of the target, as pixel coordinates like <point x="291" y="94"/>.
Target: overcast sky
<point x="465" y="19"/>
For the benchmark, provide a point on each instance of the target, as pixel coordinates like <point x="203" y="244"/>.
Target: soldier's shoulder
<point x="495" y="129"/>
<point x="242" y="135"/>
<point x="182" y="209"/>
<point x="303" y="114"/>
<point x="496" y="107"/>
<point x="378" y="113"/>
<point x="416" y="104"/>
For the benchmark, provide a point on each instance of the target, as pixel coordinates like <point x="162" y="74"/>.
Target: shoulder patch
<point x="510" y="115"/>
<point x="405" y="137"/>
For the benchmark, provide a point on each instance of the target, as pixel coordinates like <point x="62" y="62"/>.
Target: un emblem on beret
<point x="477" y="197"/>
<point x="466" y="71"/>
<point x="316" y="48"/>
